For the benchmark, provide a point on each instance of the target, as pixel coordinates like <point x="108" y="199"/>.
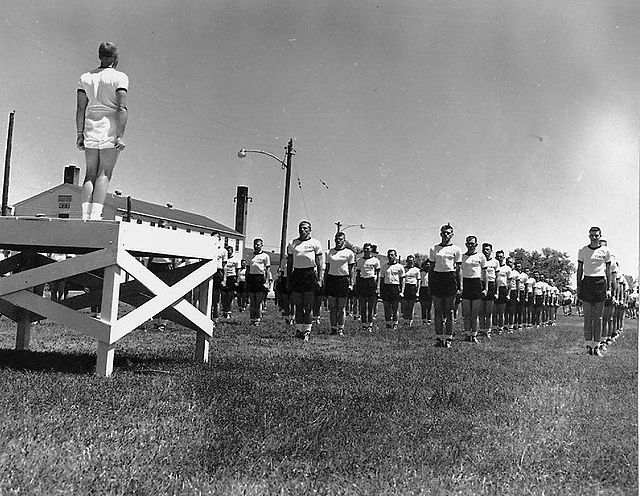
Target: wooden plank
<point x="58" y="270"/>
<point x="104" y="359"/>
<point x="110" y="294"/>
<point x="180" y="244"/>
<point x="59" y="313"/>
<point x="66" y="235"/>
<point x="168" y="295"/>
<point x="12" y="263"/>
<point x="23" y="333"/>
<point x="203" y="340"/>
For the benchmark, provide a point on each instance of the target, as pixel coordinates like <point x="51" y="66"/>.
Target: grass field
<point x="387" y="413"/>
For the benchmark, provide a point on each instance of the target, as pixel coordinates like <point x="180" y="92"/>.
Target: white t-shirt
<point x="339" y="261"/>
<point x="530" y="283"/>
<point x="412" y="276"/>
<point x="513" y="282"/>
<point x="221" y="256"/>
<point x="594" y="261"/>
<point x="472" y="265"/>
<point x="393" y="273"/>
<point x="539" y="288"/>
<point x="259" y="263"/>
<point x="100" y="88"/>
<point x="233" y="264"/>
<point x="367" y="267"/>
<point x="445" y="258"/>
<point x="492" y="267"/>
<point x="503" y="273"/>
<point x="522" y="281"/>
<point x="304" y="252"/>
<point x="424" y="279"/>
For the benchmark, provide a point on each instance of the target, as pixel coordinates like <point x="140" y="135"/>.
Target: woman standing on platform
<point x="101" y="118"/>
<point x="446" y="282"/>
<point x="258" y="281"/>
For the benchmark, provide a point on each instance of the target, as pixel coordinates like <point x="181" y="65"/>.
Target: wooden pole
<point x="285" y="208"/>
<point x="7" y="165"/>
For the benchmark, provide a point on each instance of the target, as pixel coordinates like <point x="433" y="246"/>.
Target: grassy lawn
<point x="386" y="413"/>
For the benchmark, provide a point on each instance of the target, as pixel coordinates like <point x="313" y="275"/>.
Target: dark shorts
<point x="390" y="292"/>
<point x="241" y="287"/>
<point x="303" y="280"/>
<point x="255" y="283"/>
<point x="217" y="279"/>
<point x="502" y="295"/>
<point x="425" y="293"/>
<point x="521" y="298"/>
<point x="513" y="295"/>
<point x="593" y="289"/>
<point x="530" y="299"/>
<point x="491" y="291"/>
<point x="410" y="292"/>
<point x="337" y="286"/>
<point x="231" y="285"/>
<point x="538" y="301"/>
<point x="366" y="286"/>
<point x="471" y="288"/>
<point x="443" y="284"/>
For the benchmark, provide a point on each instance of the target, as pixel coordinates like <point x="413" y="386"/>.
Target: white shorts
<point x="100" y="130"/>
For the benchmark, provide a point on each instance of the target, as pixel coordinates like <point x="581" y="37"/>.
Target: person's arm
<point x="485" y="281"/>
<point x="121" y="117"/>
<point x="81" y="106"/>
<point x="608" y="275"/>
<point x="378" y="280"/>
<point x="402" y="284"/>
<point x="579" y="273"/>
<point x="267" y="276"/>
<point x="320" y="268"/>
<point x="459" y="276"/>
<point x="352" y="275"/>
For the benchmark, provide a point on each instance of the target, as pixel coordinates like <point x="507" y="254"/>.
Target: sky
<point x="516" y="122"/>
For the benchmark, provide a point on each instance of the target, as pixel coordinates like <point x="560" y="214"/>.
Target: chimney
<point x="72" y="175"/>
<point x="242" y="199"/>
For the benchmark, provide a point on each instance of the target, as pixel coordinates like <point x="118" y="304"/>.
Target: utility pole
<point x="285" y="208"/>
<point x="338" y="225"/>
<point x="7" y="166"/>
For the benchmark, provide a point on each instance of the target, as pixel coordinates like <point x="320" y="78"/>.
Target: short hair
<point x="367" y="244"/>
<point x="391" y="250"/>
<point x="487" y="245"/>
<point x="446" y="227"/>
<point x="340" y="234"/>
<point x="258" y="239"/>
<point x="107" y="50"/>
<point x="302" y="222"/>
<point x="409" y="256"/>
<point x="595" y="228"/>
<point x="475" y="238"/>
<point x="499" y="252"/>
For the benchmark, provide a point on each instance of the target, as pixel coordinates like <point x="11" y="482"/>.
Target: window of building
<point x="188" y="230"/>
<point x="237" y="244"/>
<point x="139" y="221"/>
<point x="153" y="224"/>
<point x="174" y="228"/>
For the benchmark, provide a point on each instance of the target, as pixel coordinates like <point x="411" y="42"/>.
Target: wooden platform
<point x="103" y="252"/>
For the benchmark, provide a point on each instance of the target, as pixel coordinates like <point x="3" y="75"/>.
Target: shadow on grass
<point x="84" y="363"/>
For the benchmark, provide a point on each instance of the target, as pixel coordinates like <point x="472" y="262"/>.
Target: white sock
<point x="86" y="210"/>
<point x="96" y="211"/>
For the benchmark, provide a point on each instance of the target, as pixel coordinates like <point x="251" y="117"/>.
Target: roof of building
<point x="149" y="209"/>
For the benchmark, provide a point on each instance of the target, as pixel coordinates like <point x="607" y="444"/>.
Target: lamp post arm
<point x="262" y="152"/>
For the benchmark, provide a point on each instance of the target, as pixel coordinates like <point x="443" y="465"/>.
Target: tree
<point x="550" y="263"/>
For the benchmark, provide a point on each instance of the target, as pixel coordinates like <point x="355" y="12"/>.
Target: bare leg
<point x="92" y="159"/>
<point x="107" y="162"/>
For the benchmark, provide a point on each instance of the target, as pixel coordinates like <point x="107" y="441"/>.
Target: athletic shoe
<point x="473" y="339"/>
<point x="596" y="351"/>
<point x="306" y="336"/>
<point x="488" y="334"/>
<point x="447" y="343"/>
<point x="603" y="346"/>
<point x="340" y="332"/>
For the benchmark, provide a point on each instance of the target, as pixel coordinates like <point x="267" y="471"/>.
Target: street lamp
<point x="340" y="228"/>
<point x="286" y="165"/>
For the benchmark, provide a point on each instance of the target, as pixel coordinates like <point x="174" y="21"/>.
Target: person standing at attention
<point x="101" y="118"/>
<point x="391" y="289"/>
<point x="486" y="306"/>
<point x="367" y="280"/>
<point x="258" y="280"/>
<point x="445" y="281"/>
<point x="339" y="281"/>
<point x="305" y="273"/>
<point x="410" y="293"/>
<point x="594" y="286"/>
<point x="474" y="287"/>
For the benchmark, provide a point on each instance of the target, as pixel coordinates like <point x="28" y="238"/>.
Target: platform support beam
<point x="203" y="340"/>
<point x="23" y="334"/>
<point x="104" y="362"/>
